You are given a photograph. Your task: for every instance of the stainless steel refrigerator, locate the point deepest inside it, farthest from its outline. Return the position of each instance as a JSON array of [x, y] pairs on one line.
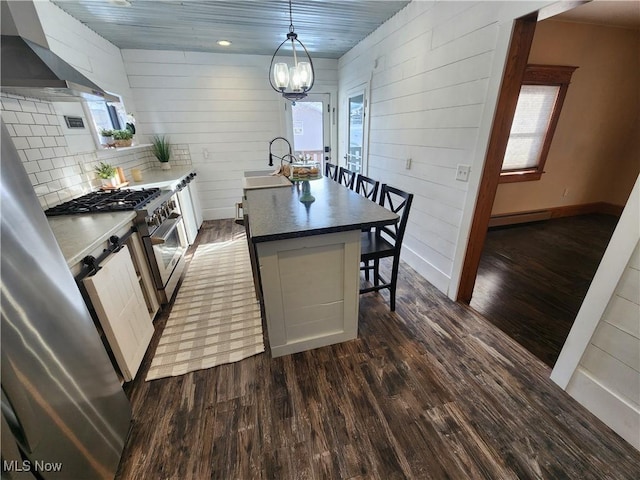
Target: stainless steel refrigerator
[[64, 413]]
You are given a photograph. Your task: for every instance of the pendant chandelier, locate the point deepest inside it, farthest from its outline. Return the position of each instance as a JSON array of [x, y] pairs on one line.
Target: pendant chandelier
[[293, 82]]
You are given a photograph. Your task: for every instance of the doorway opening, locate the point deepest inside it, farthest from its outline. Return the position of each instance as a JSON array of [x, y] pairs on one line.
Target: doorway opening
[[310, 129], [530, 278]]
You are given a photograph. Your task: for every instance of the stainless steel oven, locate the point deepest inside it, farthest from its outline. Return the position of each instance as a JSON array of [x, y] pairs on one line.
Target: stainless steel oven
[[165, 242], [158, 221]]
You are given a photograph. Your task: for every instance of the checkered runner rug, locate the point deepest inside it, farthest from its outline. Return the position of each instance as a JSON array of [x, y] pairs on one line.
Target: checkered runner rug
[[215, 318]]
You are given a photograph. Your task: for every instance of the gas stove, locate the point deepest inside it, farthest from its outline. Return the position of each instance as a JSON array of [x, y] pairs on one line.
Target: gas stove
[[106, 201], [157, 220]]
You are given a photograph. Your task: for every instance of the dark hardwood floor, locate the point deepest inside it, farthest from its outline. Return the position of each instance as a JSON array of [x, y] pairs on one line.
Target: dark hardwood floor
[[533, 278], [432, 391]]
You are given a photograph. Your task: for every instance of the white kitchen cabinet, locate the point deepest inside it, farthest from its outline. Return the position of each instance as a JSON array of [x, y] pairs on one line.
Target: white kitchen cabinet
[[195, 201], [190, 209], [120, 305], [310, 288]]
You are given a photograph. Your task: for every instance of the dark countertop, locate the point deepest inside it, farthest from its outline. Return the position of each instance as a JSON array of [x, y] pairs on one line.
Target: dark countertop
[[277, 213]]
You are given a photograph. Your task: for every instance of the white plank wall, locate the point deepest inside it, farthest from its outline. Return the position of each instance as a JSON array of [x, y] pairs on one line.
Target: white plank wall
[[607, 380], [613, 355], [221, 106], [96, 58], [429, 69]]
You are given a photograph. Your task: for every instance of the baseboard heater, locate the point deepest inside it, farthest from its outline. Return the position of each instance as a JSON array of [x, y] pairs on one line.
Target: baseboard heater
[[515, 218]]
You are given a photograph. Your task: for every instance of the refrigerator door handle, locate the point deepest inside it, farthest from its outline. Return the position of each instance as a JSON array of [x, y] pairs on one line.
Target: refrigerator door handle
[[17, 410]]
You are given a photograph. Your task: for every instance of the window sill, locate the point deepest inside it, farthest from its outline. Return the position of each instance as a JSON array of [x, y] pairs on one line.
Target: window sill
[[521, 176], [110, 152]]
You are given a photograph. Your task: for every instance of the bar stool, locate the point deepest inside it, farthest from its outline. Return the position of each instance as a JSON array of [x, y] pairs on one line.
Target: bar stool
[[385, 242], [331, 171], [367, 187], [346, 178]]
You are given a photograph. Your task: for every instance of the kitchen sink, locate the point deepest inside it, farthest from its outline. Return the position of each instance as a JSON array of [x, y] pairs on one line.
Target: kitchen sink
[[267, 181]]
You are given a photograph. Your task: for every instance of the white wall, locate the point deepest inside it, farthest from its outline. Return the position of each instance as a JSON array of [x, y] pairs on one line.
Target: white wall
[[221, 106], [93, 56], [435, 70], [599, 363], [594, 153]]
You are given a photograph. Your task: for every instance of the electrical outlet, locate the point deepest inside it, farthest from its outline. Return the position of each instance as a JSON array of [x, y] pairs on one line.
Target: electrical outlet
[[408, 164], [565, 192], [462, 174]]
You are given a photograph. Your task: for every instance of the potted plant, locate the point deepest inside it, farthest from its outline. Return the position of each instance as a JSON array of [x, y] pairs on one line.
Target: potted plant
[[122, 138], [161, 148], [106, 136], [107, 173]]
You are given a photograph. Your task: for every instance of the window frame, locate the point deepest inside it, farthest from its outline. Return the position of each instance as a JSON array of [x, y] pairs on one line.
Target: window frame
[[546, 75]]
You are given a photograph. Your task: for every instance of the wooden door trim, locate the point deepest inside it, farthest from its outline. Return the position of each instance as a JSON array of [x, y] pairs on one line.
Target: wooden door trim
[[517, 58]]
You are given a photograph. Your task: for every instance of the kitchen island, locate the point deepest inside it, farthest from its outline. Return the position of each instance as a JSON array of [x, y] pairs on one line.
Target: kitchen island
[[307, 257]]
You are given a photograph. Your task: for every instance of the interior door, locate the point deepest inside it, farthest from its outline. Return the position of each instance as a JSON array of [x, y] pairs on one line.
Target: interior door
[[310, 127], [357, 129]]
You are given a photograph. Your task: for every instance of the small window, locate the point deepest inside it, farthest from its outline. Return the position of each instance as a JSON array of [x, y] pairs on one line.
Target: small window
[[108, 115], [541, 96]]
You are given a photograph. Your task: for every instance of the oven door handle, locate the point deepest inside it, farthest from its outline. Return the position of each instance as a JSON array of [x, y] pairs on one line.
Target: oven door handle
[[164, 231]]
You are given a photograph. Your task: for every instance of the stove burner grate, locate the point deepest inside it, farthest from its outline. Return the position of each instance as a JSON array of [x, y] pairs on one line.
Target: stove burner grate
[[105, 201]]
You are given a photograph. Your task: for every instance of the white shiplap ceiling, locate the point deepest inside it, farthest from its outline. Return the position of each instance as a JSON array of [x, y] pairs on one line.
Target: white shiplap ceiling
[[328, 28]]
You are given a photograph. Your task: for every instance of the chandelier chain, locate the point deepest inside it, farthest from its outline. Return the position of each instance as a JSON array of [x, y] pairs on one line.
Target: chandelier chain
[[291, 29]]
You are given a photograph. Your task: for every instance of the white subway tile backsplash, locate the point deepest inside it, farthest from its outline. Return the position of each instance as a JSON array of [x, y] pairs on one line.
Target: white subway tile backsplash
[[40, 119], [27, 106], [43, 177], [21, 142], [45, 165], [38, 130], [25, 118], [9, 117], [31, 167], [50, 200], [42, 107], [33, 154], [22, 130], [11, 104], [47, 153], [60, 151], [41, 190], [56, 175], [35, 142]]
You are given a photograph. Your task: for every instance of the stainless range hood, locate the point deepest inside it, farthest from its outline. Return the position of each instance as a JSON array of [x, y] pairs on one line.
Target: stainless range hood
[[30, 69]]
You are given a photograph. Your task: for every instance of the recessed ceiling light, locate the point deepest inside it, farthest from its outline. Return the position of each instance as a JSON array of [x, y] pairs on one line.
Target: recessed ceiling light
[[223, 43]]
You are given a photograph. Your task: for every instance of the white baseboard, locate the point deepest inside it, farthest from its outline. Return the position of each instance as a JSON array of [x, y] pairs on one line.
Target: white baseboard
[[434, 276], [622, 417]]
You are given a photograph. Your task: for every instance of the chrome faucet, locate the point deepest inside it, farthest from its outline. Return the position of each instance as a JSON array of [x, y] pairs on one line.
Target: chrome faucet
[[281, 158]]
